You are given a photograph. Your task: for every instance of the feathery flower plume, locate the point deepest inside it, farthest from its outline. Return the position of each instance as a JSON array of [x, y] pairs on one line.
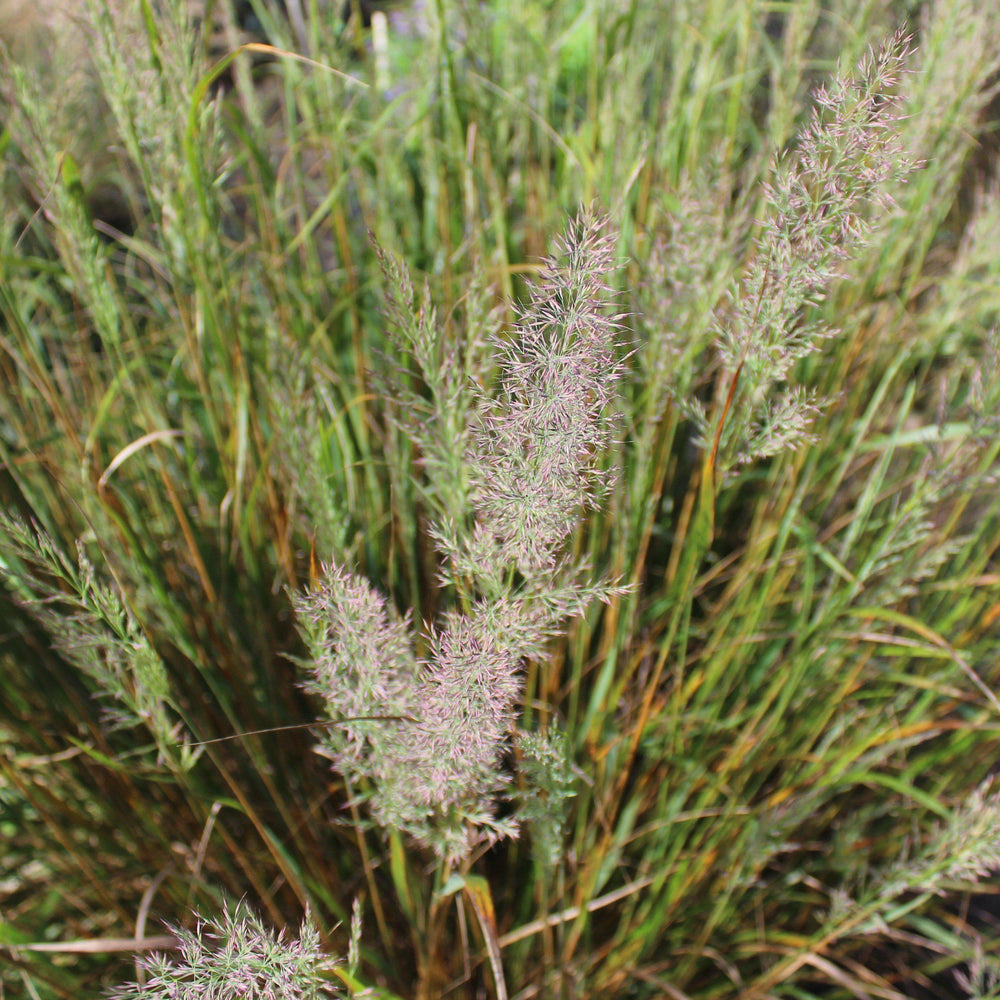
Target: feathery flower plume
[[237, 958], [536, 439], [818, 200], [429, 737]]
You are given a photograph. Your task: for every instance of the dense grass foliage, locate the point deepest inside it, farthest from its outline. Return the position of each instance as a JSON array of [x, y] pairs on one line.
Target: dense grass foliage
[[508, 509]]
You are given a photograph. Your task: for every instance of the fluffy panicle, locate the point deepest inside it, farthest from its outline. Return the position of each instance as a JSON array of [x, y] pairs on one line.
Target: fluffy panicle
[[434, 749], [237, 958], [818, 200], [967, 849], [362, 665], [93, 629], [536, 439], [963, 852]]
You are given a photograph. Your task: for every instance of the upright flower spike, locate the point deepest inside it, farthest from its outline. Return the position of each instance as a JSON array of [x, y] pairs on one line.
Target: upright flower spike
[[432, 736], [536, 439], [819, 203], [364, 668], [237, 958]]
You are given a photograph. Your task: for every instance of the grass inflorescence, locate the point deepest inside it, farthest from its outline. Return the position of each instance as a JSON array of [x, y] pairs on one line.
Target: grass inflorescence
[[502, 507]]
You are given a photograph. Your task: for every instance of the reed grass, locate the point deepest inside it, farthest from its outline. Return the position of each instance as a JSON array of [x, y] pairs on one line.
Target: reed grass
[[523, 527]]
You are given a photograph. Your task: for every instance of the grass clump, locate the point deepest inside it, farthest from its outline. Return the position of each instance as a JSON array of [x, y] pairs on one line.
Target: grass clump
[[639, 583]]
